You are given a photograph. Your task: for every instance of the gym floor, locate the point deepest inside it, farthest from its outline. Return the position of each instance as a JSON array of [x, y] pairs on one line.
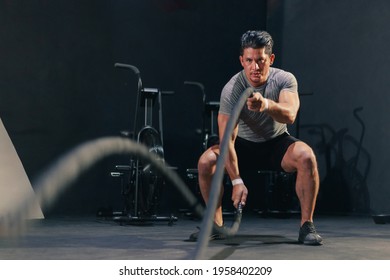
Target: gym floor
[[346, 237]]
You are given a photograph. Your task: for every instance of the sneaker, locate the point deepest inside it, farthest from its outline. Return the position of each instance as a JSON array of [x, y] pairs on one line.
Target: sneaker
[[308, 235], [216, 234]]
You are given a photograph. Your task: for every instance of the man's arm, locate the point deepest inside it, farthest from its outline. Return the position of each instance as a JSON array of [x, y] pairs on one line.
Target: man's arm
[[231, 159], [239, 192], [283, 111]]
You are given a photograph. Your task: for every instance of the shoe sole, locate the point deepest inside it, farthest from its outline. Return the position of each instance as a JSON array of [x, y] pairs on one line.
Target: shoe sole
[[311, 243], [212, 237]]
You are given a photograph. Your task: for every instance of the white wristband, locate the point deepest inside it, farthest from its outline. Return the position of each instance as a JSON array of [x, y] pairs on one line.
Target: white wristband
[[237, 181], [266, 104]]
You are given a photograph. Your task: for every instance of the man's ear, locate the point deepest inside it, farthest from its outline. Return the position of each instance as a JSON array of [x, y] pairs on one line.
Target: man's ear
[[272, 58], [241, 60]]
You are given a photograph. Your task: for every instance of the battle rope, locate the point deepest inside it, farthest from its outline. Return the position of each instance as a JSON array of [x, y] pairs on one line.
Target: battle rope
[[208, 219]]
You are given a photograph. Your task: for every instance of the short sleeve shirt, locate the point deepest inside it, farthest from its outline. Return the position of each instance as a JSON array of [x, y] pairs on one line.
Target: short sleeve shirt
[[257, 126]]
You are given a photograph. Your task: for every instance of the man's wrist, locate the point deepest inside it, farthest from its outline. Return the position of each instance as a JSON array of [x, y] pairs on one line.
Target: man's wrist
[[237, 181], [266, 104]]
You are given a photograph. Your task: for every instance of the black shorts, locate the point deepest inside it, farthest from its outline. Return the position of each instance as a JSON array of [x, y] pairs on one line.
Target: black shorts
[[254, 156]]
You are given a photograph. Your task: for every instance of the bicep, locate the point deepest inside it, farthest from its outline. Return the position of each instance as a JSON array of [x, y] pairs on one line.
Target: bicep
[[289, 99]]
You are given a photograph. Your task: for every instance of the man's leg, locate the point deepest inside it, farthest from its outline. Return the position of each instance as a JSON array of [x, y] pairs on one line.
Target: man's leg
[[206, 169], [300, 158]]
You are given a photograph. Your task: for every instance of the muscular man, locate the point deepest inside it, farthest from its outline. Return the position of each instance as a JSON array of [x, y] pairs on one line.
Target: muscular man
[[260, 140]]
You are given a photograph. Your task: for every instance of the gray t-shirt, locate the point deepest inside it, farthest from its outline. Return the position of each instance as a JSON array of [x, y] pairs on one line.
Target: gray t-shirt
[[256, 126]]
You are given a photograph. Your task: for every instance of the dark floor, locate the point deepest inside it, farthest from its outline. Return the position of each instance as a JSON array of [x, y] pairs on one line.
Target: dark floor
[[263, 238]]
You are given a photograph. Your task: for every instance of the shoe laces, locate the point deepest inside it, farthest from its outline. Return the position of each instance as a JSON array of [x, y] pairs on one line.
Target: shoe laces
[[309, 227]]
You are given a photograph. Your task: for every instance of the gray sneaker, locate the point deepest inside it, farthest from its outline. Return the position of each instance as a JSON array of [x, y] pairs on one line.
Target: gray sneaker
[[308, 235]]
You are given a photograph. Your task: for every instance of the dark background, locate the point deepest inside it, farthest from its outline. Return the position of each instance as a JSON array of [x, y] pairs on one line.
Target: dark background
[[59, 87]]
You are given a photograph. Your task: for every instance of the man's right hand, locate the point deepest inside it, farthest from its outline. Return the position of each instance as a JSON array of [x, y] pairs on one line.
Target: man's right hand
[[239, 194]]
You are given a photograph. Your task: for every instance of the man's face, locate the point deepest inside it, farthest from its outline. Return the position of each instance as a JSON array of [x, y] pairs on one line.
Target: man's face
[[256, 65]]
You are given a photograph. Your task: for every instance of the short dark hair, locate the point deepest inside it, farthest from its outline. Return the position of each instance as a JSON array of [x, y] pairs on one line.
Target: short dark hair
[[256, 39]]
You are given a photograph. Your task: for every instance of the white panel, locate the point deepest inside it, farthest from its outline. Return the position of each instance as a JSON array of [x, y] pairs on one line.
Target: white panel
[[14, 183]]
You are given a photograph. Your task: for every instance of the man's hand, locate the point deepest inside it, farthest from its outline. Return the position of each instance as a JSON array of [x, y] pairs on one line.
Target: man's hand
[[239, 194], [257, 103]]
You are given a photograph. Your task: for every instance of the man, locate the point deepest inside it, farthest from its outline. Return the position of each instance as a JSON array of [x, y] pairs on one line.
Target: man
[[260, 140]]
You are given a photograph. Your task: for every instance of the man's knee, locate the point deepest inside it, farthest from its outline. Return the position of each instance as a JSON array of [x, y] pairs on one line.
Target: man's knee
[[206, 162], [306, 158]]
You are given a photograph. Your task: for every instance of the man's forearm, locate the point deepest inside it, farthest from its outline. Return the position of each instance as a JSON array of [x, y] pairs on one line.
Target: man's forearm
[[232, 164]]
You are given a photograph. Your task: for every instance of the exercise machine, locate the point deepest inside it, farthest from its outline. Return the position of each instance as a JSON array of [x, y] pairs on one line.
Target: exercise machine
[[143, 188]]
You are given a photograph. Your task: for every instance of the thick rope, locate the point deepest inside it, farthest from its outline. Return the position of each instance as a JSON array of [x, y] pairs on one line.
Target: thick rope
[[208, 219]]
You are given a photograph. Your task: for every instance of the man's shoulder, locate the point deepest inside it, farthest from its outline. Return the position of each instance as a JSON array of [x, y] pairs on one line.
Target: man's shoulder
[[277, 73], [282, 78], [236, 78]]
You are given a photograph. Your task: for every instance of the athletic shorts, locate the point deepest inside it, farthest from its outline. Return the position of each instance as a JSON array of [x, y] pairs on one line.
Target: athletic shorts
[[268, 155]]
